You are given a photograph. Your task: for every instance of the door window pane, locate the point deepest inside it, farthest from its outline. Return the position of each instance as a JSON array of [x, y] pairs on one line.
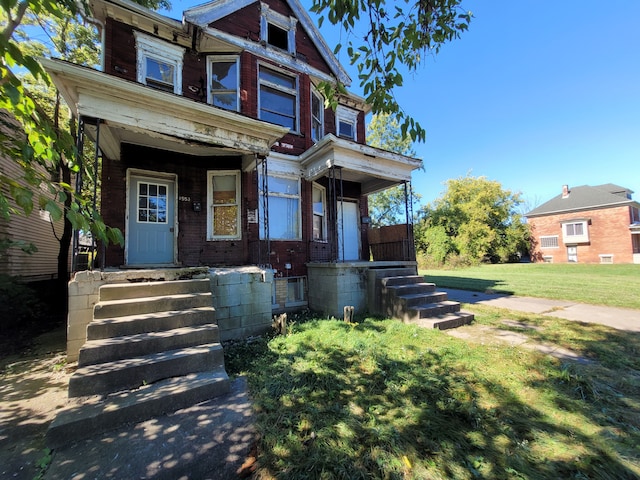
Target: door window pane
[[152, 203]]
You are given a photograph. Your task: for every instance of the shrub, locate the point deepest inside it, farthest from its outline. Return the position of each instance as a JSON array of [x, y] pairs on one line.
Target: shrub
[[19, 304]]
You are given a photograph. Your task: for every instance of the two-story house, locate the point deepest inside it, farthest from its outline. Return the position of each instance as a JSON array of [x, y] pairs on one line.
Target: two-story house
[[587, 224], [218, 150]]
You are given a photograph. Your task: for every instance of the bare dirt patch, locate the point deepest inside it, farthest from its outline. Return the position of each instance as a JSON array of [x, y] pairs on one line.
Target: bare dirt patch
[[33, 387]]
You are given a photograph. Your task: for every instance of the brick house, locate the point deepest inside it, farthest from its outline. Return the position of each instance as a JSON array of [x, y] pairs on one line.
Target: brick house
[[587, 224], [218, 151]]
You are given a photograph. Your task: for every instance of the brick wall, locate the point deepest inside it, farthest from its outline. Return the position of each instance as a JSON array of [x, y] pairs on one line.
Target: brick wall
[[609, 234]]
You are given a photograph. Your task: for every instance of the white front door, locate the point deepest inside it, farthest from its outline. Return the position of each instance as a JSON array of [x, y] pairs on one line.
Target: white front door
[[151, 222], [348, 231]]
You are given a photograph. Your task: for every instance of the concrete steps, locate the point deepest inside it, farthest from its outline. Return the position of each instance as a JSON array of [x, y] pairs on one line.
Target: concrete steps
[[410, 299], [153, 347]]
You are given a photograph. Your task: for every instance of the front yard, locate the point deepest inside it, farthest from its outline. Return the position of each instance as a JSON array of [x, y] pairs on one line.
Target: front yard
[[381, 399]]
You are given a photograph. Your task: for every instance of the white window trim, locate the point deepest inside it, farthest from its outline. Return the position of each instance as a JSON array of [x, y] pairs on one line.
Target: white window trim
[[288, 24], [606, 255], [347, 115], [324, 214], [583, 238], [210, 205], [557, 244], [316, 94], [211, 59], [151, 47], [292, 91], [297, 196]]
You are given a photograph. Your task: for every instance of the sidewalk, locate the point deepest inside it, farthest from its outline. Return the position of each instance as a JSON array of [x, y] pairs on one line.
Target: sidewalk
[[619, 318]]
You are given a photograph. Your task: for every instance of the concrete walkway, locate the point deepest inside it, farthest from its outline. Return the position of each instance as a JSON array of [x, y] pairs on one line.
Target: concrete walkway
[[619, 318]]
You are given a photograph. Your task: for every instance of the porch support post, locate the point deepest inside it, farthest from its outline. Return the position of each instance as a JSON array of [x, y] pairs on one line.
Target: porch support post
[[264, 186], [75, 244], [97, 153]]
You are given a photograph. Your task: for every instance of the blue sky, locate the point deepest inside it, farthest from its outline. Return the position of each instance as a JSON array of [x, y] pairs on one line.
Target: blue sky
[[535, 95]]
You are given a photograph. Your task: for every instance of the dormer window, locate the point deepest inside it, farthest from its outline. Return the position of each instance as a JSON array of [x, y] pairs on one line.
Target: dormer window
[[224, 89], [159, 63], [277, 30], [346, 122]]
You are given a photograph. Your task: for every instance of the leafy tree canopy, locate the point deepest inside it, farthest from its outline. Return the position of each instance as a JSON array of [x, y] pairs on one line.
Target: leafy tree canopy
[[480, 219], [385, 39], [389, 206]]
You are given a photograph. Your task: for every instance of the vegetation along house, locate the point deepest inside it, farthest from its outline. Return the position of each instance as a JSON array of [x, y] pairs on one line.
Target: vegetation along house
[[586, 224]]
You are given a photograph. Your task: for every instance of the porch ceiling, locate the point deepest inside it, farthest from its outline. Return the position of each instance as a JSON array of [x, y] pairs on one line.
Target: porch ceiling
[[138, 114], [373, 168]]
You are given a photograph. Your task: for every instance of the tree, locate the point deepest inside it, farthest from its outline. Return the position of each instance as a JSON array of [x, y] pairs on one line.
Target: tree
[[393, 39], [389, 206], [46, 153], [479, 217]]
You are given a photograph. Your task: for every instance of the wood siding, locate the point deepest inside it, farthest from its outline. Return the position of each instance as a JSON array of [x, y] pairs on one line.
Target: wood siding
[[37, 228]]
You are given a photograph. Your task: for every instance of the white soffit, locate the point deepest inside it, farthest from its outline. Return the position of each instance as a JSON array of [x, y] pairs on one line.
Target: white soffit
[[129, 104]]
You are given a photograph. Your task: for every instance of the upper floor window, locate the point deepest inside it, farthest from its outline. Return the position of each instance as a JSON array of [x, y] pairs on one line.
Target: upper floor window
[[278, 101], [346, 122], [223, 193], [224, 86], [159, 63], [277, 30], [575, 232], [635, 215], [317, 116]]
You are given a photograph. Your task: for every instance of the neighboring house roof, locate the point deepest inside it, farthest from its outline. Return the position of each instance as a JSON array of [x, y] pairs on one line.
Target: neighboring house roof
[[585, 197]]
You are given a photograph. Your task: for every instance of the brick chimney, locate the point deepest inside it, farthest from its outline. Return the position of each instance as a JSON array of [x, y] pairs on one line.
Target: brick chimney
[[565, 191]]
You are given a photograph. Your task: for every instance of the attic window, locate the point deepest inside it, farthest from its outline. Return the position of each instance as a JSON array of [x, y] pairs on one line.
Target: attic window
[[346, 121], [159, 63], [277, 30]]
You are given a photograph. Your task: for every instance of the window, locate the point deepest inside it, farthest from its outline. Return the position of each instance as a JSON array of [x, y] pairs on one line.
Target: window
[[159, 63], [635, 215], [224, 89], [346, 121], [319, 209], [223, 192], [575, 232], [550, 241], [606, 258], [278, 98], [284, 208], [277, 30], [152, 202], [317, 116]]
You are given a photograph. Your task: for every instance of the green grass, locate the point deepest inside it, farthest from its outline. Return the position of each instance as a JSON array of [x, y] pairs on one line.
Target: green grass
[[382, 399], [613, 285]]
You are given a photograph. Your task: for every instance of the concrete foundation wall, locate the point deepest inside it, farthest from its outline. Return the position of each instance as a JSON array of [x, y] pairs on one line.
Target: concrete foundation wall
[[242, 299], [332, 286]]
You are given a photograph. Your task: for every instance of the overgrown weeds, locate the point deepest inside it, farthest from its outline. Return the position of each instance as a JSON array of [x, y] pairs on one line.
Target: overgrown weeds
[[382, 399]]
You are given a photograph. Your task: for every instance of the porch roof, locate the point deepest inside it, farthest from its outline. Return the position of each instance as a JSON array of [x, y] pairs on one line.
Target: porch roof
[[135, 113], [375, 169]]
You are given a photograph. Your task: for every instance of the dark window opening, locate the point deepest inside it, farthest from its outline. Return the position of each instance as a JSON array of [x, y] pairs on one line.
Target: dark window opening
[[277, 37]]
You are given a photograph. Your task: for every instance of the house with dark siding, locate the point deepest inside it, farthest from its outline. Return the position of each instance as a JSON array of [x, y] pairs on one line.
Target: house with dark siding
[[587, 224]]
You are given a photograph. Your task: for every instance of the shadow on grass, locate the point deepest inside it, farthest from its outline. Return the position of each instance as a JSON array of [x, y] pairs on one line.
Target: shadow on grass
[[351, 410], [471, 284]]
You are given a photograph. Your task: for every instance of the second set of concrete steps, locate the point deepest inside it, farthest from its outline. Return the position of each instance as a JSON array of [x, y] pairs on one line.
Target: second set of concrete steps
[[152, 348], [413, 300]]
